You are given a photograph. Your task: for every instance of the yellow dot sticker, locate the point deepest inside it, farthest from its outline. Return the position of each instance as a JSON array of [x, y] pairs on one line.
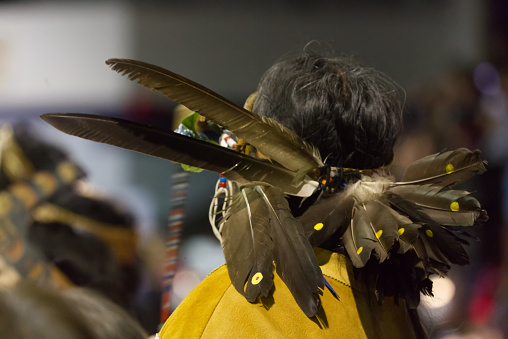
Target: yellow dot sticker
[[256, 279], [359, 250], [379, 233], [401, 231], [429, 233], [449, 168], [454, 206], [318, 226]]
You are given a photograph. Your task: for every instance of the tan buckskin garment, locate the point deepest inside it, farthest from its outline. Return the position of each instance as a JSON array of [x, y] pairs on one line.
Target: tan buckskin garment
[[214, 309]]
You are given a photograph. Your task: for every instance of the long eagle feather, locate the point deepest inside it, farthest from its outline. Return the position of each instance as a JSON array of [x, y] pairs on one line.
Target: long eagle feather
[[178, 148]]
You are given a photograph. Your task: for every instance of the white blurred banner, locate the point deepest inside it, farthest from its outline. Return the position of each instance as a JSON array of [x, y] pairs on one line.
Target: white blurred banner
[[53, 55]]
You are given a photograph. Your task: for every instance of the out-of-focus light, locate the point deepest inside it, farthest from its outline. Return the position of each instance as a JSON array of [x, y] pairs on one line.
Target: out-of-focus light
[[202, 255], [199, 255], [444, 291], [184, 282], [487, 79]]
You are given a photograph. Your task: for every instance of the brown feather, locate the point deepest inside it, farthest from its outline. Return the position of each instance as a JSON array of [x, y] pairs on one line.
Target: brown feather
[[175, 147], [374, 227], [445, 169], [444, 245], [359, 239], [247, 246], [444, 206], [441, 242], [330, 216]]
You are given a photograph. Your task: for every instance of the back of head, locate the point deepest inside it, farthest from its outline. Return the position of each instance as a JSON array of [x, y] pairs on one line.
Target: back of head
[[91, 240], [351, 113]]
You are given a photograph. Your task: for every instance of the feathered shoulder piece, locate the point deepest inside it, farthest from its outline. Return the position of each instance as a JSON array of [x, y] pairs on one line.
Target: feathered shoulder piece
[[402, 232], [382, 223]]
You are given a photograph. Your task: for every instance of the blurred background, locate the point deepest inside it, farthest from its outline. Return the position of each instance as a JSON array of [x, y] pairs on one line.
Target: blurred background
[[450, 56]]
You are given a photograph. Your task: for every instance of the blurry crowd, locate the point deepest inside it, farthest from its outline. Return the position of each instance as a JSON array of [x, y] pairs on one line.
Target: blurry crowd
[[70, 265]]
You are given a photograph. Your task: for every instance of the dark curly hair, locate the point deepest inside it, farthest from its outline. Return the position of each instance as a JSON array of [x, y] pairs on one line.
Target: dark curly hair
[[351, 113]]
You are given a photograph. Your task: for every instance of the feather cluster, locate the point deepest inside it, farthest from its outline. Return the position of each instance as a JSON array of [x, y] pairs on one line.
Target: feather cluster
[[411, 228]]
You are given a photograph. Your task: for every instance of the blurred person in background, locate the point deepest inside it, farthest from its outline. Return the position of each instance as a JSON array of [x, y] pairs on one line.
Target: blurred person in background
[[85, 238], [24, 188], [32, 310]]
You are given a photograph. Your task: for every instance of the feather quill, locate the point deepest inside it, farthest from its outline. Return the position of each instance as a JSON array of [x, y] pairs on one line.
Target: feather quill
[[294, 257], [175, 147], [269, 137], [247, 245]]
